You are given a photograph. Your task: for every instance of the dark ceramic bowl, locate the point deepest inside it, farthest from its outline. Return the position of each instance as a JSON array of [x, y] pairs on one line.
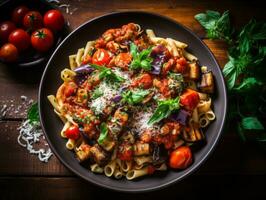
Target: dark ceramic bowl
[[31, 58], [163, 27]]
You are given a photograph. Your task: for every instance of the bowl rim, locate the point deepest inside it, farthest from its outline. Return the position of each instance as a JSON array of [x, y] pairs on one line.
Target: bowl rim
[[190, 171]]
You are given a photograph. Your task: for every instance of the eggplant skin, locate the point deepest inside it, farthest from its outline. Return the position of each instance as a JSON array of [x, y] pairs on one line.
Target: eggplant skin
[[207, 83], [194, 135]]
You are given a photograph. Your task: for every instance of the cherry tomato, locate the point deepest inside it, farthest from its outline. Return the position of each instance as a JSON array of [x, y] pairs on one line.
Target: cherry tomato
[[5, 29], [72, 132], [32, 20], [54, 20], [9, 53], [20, 39], [18, 14], [101, 57], [144, 81], [122, 60], [125, 152], [69, 90], [180, 158], [189, 99], [42, 39]]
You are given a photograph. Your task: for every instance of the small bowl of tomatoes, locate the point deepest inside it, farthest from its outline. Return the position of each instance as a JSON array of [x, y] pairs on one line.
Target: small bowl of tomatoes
[[29, 32]]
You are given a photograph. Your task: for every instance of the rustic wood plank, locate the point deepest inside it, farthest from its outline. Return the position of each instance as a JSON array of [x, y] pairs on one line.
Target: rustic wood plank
[[196, 187], [16, 160], [230, 157]]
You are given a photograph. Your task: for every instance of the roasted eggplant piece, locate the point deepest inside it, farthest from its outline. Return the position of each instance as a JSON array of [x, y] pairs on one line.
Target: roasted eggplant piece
[[193, 135], [99, 155], [141, 149], [207, 83], [83, 152], [194, 71], [159, 154]]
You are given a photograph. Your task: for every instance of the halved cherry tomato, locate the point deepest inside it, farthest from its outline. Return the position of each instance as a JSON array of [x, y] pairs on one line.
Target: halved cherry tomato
[[32, 20], [72, 132], [189, 99], [180, 158], [42, 39], [125, 152], [20, 39], [101, 57], [9, 53], [19, 13], [5, 29], [122, 60], [54, 20], [144, 81]]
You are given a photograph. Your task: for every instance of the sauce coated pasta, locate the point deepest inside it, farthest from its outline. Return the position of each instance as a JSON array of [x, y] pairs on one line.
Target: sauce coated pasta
[[133, 103]]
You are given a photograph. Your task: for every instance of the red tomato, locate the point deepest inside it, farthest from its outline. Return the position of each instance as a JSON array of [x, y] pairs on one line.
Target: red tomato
[[125, 152], [180, 158], [9, 53], [101, 57], [42, 39], [5, 29], [69, 90], [32, 20], [72, 132], [54, 20], [20, 39], [189, 99], [181, 65], [144, 81], [18, 14], [122, 60]]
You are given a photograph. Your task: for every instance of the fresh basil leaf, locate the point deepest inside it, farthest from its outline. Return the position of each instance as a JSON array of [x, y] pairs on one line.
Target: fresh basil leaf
[[248, 84], [107, 73], [216, 26], [140, 59], [230, 73], [103, 133], [164, 109], [33, 113], [134, 97], [251, 123]]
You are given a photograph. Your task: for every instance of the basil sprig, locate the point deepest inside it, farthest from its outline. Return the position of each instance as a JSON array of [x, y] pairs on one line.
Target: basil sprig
[[141, 60]]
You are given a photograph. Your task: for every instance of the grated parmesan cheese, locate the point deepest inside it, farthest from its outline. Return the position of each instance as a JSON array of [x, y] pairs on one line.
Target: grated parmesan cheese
[[108, 92], [30, 134]]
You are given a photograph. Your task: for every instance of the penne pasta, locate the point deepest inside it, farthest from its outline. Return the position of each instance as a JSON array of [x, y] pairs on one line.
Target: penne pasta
[[70, 144], [79, 56], [109, 169], [88, 49], [118, 174], [67, 75], [96, 168], [150, 33], [141, 160], [66, 126], [210, 115], [204, 106], [136, 173], [72, 62], [203, 121], [189, 56], [126, 166]]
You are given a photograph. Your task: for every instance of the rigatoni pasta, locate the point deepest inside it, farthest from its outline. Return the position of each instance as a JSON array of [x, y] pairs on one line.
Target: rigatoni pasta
[[130, 99]]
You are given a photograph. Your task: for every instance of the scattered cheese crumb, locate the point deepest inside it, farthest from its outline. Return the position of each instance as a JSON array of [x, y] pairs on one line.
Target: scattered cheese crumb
[[29, 134]]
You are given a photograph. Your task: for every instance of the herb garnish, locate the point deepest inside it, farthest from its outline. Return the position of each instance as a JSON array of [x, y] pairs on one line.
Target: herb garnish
[[103, 133], [96, 93], [107, 73], [244, 72], [33, 113], [164, 109], [140, 59], [134, 97]]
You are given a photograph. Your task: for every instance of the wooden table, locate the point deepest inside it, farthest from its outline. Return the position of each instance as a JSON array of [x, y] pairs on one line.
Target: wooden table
[[234, 169]]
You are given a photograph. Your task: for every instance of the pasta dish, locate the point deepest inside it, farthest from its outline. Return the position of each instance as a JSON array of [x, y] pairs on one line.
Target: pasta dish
[[133, 103]]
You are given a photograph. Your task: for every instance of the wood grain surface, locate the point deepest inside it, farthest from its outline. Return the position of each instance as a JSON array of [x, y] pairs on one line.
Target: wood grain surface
[[234, 168]]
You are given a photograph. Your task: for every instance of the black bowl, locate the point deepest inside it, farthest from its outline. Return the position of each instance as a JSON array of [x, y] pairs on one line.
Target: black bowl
[[163, 27], [31, 58]]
